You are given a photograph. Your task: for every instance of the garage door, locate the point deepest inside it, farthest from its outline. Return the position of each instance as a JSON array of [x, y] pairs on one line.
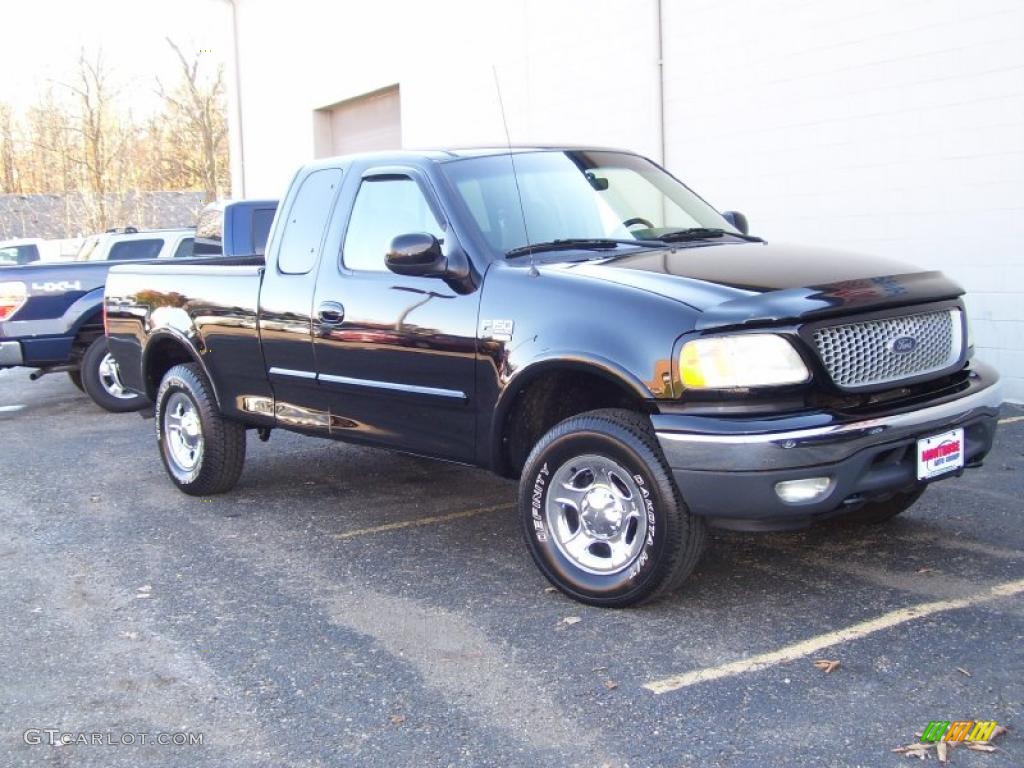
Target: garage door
[[363, 124]]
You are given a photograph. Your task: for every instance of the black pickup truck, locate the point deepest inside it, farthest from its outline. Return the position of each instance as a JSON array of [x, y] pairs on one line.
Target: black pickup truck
[[581, 320], [51, 314]]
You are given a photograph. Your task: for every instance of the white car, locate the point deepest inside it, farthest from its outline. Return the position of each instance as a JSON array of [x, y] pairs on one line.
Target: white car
[[134, 245], [26, 250]]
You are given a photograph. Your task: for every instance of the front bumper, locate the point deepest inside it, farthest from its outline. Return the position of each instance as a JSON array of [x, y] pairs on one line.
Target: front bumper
[[726, 469], [10, 353]]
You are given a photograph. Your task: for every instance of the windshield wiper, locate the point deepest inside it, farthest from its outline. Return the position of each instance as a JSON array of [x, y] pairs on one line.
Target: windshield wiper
[[582, 243], [702, 233]]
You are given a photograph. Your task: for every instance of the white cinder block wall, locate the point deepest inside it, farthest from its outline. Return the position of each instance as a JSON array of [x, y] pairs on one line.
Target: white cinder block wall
[[895, 128], [890, 127]]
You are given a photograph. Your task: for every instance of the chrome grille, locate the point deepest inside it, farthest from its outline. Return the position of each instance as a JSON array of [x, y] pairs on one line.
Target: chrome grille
[[869, 353]]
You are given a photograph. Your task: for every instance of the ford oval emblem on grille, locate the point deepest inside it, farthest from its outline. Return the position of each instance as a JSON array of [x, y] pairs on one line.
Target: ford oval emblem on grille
[[903, 344]]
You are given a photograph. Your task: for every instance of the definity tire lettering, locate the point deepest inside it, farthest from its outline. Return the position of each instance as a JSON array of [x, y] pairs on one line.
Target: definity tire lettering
[[538, 497]]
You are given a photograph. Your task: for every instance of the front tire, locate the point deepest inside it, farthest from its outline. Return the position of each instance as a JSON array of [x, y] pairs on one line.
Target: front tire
[[101, 379], [601, 514], [202, 451]]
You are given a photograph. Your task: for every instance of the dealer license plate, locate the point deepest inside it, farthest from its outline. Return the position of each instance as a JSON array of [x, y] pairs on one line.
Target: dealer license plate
[[940, 454]]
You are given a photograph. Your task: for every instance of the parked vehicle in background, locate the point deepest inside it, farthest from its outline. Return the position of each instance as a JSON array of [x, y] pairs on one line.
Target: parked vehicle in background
[[27, 250], [51, 315], [131, 244], [578, 319]]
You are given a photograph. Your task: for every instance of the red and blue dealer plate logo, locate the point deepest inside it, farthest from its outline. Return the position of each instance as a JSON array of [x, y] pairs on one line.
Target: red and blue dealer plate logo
[[940, 454]]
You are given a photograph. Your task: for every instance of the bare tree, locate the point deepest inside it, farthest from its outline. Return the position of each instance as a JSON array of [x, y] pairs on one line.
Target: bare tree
[[78, 141], [196, 110], [8, 172], [99, 141]]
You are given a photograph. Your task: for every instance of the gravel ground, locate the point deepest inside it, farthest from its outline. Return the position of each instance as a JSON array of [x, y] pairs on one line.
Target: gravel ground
[[286, 627]]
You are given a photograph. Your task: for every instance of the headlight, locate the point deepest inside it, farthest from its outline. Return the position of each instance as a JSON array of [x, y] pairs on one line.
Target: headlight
[[748, 360]]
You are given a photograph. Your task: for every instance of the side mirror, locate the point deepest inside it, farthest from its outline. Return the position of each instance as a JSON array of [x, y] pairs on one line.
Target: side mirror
[[738, 220], [418, 254]]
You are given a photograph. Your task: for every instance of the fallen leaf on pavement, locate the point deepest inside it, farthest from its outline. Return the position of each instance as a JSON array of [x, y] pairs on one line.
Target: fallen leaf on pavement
[[963, 671], [917, 750], [826, 665], [611, 685], [397, 719]]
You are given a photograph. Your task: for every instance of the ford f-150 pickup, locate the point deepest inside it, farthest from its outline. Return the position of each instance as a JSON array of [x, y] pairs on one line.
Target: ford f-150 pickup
[[581, 320], [51, 314]]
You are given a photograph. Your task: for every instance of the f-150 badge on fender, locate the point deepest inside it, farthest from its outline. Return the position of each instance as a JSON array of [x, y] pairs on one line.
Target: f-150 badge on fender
[[498, 330]]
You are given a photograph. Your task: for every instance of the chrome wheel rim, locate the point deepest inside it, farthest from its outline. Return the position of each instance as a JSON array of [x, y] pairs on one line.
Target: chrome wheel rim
[[594, 511], [183, 432], [110, 378]]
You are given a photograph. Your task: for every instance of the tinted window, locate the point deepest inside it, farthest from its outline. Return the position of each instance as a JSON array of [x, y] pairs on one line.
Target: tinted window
[[184, 249], [19, 254], [262, 218], [130, 250], [307, 219], [200, 248], [384, 208]]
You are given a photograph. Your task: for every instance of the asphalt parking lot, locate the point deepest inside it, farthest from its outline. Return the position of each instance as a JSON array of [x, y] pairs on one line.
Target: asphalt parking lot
[[351, 607]]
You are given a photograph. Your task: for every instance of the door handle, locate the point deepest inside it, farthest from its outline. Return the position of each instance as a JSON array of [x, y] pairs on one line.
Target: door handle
[[330, 313]]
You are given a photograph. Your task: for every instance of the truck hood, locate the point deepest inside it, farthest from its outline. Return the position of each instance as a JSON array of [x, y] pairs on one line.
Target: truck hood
[[744, 283]]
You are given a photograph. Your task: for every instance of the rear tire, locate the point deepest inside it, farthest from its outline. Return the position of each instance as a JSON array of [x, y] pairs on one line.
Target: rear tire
[[101, 380], [202, 451], [878, 512], [601, 513]]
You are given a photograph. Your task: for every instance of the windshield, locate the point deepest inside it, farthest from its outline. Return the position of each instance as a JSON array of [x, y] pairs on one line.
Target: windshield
[[575, 194]]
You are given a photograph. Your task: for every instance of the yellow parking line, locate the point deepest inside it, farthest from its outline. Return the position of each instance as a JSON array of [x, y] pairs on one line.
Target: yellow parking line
[[1011, 420], [421, 521], [815, 644]]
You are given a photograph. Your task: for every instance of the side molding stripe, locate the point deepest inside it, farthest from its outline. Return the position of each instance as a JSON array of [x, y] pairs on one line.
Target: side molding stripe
[[415, 389], [411, 388]]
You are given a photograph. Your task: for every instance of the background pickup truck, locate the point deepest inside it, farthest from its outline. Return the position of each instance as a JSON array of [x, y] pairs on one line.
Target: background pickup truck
[[578, 319], [51, 314]]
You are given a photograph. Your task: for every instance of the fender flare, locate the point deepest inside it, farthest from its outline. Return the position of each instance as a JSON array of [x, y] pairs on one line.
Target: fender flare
[[185, 343], [554, 361], [83, 309]]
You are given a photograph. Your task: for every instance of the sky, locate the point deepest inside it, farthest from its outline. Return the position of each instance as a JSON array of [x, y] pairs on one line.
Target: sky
[[43, 38]]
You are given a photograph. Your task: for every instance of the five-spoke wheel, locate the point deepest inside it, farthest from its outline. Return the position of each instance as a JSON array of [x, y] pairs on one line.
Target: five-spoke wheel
[[601, 514]]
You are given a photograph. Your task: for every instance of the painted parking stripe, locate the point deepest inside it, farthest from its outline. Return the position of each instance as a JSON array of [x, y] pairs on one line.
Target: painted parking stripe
[[421, 521], [10, 408], [815, 644], [1011, 420]]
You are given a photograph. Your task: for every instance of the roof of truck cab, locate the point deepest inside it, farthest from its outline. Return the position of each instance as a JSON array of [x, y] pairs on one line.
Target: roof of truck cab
[[457, 153]]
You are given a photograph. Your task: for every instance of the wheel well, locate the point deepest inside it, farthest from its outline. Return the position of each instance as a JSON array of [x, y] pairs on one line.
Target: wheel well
[[87, 333], [160, 358], [552, 397]]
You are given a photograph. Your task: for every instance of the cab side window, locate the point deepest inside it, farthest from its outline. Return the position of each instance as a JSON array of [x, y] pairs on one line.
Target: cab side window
[[307, 219], [184, 249], [385, 206]]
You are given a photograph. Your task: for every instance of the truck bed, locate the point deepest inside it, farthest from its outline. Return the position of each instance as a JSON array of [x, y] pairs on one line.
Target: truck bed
[[222, 325]]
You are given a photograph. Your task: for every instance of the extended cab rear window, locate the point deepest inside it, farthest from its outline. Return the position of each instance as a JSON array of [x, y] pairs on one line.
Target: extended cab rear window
[[307, 220]]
